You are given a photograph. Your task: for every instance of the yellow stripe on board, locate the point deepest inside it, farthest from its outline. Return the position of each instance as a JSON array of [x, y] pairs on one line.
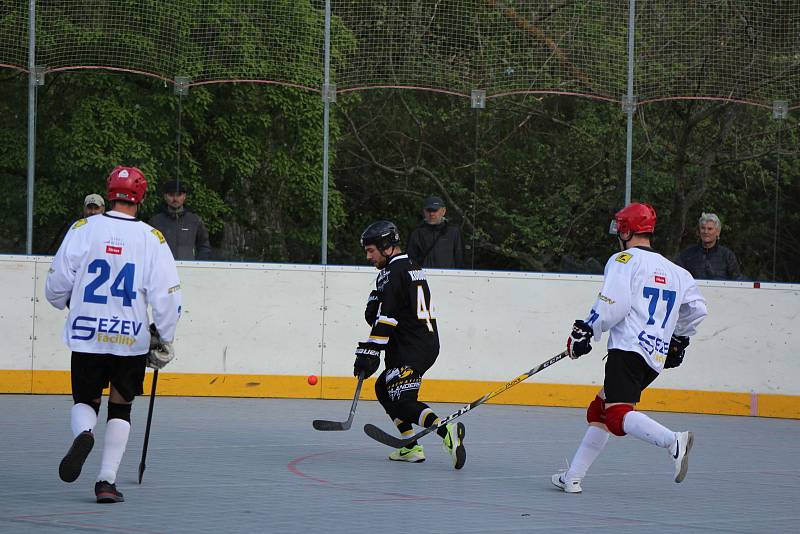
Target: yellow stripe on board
[[16, 381], [457, 391]]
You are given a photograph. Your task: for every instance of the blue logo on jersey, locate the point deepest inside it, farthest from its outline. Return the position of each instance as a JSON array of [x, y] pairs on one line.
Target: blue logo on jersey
[[651, 344], [113, 330]]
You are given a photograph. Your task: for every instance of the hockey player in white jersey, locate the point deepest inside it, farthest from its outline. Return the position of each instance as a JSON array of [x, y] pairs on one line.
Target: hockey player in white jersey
[[107, 271], [650, 307]]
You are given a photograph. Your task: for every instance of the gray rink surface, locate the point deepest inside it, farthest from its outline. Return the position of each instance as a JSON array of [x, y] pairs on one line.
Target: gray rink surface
[[256, 465]]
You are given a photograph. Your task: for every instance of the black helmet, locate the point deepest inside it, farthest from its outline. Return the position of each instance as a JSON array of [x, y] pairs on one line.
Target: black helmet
[[382, 234]]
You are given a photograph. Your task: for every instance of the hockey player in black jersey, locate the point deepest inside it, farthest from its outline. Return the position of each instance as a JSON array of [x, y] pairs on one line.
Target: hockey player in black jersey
[[404, 325]]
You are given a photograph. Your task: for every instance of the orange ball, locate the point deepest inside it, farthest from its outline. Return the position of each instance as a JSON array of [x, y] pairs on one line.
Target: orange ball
[[312, 380]]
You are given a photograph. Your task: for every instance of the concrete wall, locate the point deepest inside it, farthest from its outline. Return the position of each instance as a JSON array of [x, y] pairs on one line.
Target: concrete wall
[[260, 329]]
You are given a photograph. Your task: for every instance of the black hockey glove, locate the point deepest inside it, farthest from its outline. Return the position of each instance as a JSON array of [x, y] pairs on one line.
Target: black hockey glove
[[373, 305], [368, 359], [578, 342], [676, 352]]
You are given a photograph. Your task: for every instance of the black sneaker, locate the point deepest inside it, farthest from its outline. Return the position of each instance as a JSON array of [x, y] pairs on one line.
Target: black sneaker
[[70, 468], [107, 492]]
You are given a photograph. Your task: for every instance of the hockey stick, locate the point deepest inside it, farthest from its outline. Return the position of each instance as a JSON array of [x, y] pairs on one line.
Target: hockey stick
[[379, 435], [320, 424], [147, 428]]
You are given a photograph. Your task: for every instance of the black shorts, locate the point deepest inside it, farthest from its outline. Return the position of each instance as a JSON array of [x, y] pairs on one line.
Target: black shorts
[[92, 373], [396, 384], [627, 375]]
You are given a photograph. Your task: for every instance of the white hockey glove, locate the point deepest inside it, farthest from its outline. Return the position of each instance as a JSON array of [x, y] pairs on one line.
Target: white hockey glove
[[161, 352]]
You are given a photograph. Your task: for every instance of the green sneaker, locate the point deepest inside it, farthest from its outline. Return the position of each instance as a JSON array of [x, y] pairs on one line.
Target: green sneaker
[[454, 444], [414, 455]]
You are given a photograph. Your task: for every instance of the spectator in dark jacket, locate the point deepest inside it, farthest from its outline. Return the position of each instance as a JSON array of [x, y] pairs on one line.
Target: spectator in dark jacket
[[184, 231], [436, 243], [709, 260]]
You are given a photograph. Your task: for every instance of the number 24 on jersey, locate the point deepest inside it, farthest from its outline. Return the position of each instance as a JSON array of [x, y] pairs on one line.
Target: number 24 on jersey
[[121, 287]]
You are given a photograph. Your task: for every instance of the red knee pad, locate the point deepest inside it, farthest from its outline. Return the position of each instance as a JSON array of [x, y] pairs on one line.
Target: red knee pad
[[596, 413], [614, 417]]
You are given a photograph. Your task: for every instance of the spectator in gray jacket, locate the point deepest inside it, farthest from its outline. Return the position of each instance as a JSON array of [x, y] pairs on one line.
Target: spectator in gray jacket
[[184, 231], [436, 243], [709, 260]]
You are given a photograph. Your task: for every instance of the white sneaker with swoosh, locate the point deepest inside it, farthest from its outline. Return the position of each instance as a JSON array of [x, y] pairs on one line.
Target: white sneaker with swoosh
[[681, 455], [568, 485]]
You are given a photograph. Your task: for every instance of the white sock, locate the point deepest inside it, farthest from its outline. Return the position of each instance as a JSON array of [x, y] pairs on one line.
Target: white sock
[[639, 425], [82, 417], [117, 431], [590, 448]]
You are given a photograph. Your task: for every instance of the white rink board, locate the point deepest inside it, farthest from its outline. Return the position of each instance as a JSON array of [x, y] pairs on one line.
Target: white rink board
[[299, 319], [17, 282]]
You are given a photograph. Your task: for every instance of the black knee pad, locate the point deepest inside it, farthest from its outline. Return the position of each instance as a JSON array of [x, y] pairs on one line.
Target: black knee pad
[[119, 411], [93, 403]]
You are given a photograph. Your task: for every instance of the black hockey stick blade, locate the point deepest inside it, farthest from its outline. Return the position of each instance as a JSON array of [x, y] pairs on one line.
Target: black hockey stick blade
[[392, 441], [142, 465], [320, 424], [382, 437]]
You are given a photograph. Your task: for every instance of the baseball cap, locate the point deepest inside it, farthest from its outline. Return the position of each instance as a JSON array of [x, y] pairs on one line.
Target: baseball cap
[[175, 186], [433, 203], [95, 199]]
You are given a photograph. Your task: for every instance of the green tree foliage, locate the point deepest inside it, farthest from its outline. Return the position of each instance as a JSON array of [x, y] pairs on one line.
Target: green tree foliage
[[534, 182], [251, 154], [533, 179]]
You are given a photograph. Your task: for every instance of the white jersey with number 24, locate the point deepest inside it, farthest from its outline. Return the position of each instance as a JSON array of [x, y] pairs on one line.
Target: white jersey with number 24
[[646, 299], [108, 269]]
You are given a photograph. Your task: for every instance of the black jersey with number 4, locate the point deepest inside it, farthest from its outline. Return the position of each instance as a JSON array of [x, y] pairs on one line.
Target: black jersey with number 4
[[406, 324]]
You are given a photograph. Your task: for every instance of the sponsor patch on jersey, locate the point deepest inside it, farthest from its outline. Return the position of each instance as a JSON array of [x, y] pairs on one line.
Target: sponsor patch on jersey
[[660, 279], [79, 223], [159, 235], [173, 289], [111, 249], [605, 299], [624, 257]]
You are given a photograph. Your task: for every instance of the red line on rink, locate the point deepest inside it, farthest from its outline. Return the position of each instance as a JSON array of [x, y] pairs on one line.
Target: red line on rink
[[293, 466], [39, 516], [386, 495]]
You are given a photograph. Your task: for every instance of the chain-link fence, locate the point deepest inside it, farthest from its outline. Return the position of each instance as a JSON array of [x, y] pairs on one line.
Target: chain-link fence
[[725, 51]]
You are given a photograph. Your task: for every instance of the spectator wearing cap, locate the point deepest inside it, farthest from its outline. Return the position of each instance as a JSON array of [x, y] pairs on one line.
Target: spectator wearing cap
[[184, 231], [436, 243], [93, 205], [709, 260]]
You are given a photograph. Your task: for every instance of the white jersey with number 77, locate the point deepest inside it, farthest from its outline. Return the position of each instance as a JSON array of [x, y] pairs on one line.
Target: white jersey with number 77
[[645, 299], [108, 269]]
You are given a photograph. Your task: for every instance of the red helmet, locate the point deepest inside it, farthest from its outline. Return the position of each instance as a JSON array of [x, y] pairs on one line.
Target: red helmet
[[636, 218], [126, 183]]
